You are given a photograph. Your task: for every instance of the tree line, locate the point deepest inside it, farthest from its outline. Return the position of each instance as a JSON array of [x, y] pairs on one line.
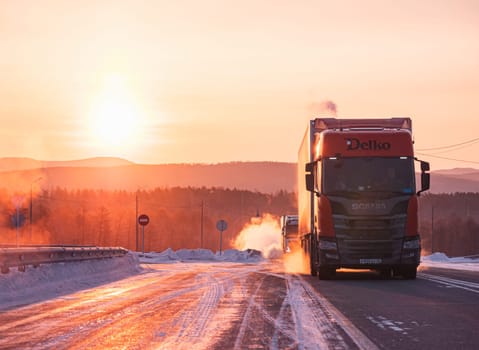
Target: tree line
[[449, 223], [179, 217], [185, 217]]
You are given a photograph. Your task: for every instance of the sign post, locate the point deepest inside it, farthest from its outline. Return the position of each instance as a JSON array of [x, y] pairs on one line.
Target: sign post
[[18, 222], [18, 218], [221, 226], [143, 220]]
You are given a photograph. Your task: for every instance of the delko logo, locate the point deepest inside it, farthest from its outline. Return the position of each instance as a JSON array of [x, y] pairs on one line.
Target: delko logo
[[369, 145]]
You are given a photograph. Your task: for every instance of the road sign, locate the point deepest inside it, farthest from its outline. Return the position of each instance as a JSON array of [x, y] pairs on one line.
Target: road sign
[[143, 219], [18, 219], [221, 225]]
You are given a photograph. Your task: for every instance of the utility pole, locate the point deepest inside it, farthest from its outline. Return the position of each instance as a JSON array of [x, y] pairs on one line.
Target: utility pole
[[432, 228], [31, 205], [201, 229], [467, 208], [136, 219]]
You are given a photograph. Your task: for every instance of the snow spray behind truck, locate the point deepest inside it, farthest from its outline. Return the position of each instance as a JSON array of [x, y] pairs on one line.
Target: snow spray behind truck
[[357, 199]]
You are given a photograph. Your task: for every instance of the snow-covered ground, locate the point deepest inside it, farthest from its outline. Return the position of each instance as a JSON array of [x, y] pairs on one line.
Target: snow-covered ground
[[205, 255], [51, 280], [457, 263]]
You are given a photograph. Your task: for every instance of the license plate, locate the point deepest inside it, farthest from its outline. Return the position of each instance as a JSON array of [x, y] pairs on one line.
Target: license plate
[[370, 261]]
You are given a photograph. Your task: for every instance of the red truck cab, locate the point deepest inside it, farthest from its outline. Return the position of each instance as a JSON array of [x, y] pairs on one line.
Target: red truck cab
[[360, 189]]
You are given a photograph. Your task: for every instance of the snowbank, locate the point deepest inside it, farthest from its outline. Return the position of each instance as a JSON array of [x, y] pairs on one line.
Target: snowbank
[[50, 281], [458, 263], [185, 255]]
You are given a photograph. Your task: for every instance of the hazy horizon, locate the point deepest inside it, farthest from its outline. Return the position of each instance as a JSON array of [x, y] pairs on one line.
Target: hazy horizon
[[125, 161], [213, 82]]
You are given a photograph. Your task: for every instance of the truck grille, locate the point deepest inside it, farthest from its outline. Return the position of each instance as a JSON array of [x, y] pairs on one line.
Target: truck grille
[[369, 238], [378, 228], [369, 249]]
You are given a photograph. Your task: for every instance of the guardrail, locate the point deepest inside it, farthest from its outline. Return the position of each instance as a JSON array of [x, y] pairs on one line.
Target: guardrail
[[22, 257]]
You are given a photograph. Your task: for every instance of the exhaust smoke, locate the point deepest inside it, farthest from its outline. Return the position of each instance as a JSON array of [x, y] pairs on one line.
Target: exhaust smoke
[[326, 107]]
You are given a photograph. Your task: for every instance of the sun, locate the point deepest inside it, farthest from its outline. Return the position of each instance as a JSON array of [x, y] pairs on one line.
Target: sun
[[114, 115]]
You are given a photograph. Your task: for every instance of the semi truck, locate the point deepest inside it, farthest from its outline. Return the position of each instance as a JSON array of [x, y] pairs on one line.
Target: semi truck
[[357, 196], [289, 232]]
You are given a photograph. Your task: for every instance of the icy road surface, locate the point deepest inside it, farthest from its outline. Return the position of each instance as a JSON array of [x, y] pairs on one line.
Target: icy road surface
[[192, 305]]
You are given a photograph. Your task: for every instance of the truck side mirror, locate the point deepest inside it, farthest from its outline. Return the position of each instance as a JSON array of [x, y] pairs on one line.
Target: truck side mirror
[[425, 177], [424, 166], [425, 181], [310, 182], [309, 167]]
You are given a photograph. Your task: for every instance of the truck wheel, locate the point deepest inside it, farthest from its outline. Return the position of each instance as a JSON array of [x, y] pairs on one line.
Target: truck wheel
[[312, 265], [409, 273], [396, 271], [326, 273], [386, 273]]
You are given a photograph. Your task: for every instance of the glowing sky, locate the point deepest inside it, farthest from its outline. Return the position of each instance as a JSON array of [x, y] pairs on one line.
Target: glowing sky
[[214, 81]]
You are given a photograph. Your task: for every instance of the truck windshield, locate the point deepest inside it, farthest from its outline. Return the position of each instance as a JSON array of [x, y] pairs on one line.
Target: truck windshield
[[371, 174]]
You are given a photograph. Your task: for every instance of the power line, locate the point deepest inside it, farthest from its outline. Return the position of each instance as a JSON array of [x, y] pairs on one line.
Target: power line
[[455, 148], [447, 158], [465, 144]]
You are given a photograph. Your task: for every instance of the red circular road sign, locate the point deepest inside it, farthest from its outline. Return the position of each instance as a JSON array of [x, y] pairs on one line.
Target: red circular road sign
[[221, 225], [143, 219]]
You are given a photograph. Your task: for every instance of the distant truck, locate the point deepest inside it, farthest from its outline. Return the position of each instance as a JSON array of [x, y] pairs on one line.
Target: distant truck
[[289, 232], [357, 199]]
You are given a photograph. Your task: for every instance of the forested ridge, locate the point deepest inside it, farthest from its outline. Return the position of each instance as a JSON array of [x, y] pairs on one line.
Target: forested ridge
[[179, 217], [449, 223], [185, 217]]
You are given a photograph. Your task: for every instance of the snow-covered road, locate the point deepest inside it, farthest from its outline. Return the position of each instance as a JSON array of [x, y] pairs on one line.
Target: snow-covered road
[[192, 305], [198, 300]]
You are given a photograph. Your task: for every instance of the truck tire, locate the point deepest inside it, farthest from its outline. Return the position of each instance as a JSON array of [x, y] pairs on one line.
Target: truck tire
[[326, 272], [312, 265], [386, 273], [409, 273]]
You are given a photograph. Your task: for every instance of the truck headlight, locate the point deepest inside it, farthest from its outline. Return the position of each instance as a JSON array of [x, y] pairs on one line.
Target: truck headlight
[[327, 245], [412, 244]]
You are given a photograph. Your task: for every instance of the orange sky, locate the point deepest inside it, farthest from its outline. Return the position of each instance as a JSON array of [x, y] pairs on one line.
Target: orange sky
[[215, 81]]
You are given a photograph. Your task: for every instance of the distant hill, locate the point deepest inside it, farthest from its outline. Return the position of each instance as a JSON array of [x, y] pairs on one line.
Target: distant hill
[[13, 164], [455, 182], [456, 171], [120, 174], [267, 177]]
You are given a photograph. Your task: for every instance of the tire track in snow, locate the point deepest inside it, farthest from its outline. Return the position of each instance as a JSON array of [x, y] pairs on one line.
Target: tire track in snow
[[195, 320], [284, 311], [313, 325], [284, 324], [245, 319], [319, 325], [199, 322], [100, 314]]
